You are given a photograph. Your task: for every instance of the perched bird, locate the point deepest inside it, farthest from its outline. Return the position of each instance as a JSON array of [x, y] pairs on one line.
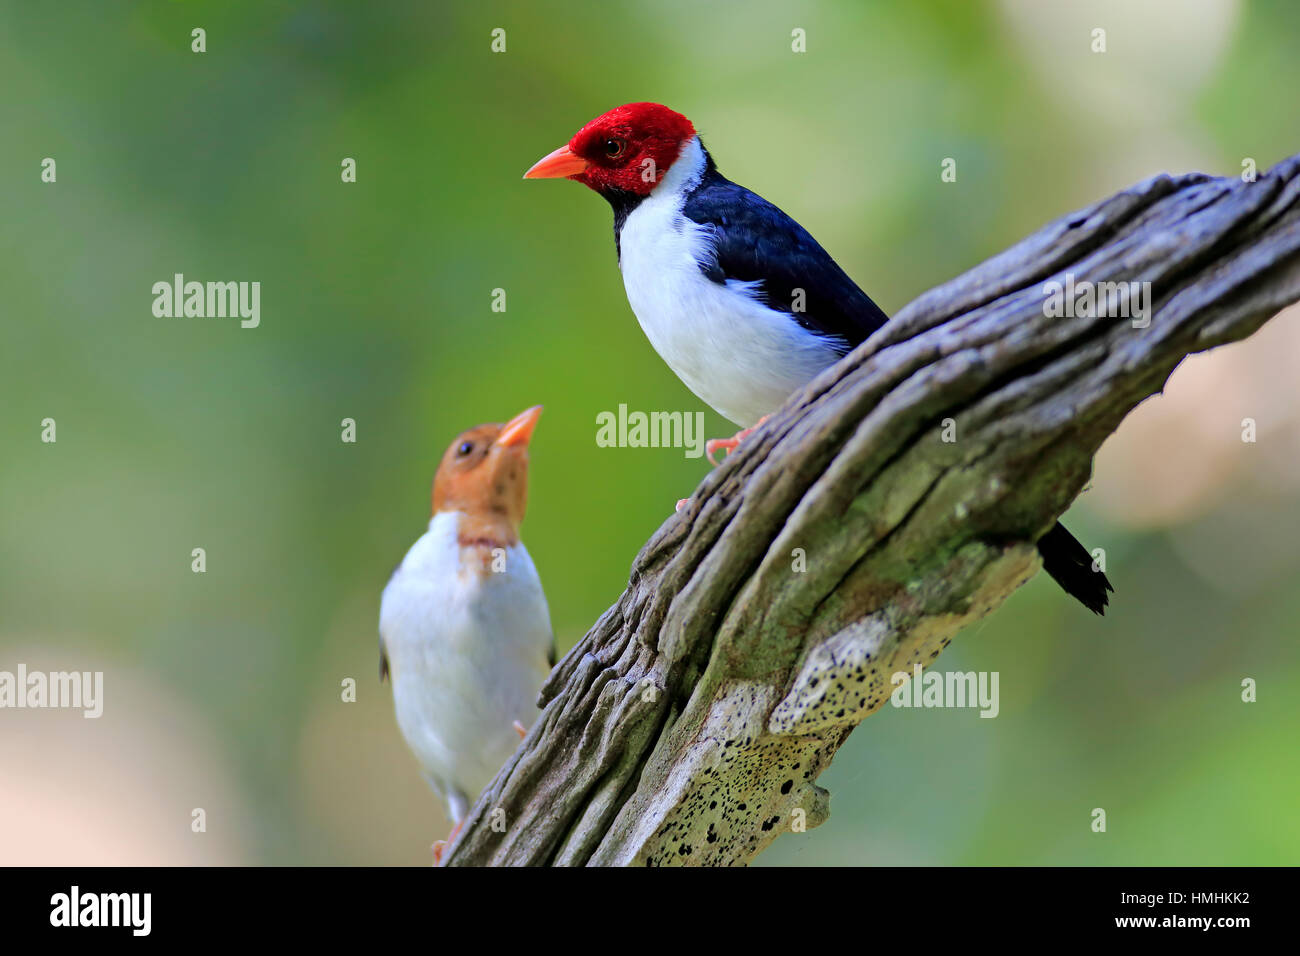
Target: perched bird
[[740, 301], [464, 631]]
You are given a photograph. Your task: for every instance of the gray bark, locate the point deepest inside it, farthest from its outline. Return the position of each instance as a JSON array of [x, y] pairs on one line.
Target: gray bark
[[690, 724]]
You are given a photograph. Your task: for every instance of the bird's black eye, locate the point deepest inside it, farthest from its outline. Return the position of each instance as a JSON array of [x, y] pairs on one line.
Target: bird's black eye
[[614, 147], [465, 448]]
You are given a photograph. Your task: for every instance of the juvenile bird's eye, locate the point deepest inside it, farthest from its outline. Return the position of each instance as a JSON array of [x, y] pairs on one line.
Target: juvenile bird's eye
[[614, 147], [465, 448]]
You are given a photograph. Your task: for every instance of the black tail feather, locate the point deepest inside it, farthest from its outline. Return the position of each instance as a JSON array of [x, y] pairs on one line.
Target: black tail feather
[[1070, 565]]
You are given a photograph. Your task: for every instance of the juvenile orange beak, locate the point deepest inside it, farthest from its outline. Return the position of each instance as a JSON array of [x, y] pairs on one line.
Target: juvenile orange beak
[[557, 165], [519, 429]]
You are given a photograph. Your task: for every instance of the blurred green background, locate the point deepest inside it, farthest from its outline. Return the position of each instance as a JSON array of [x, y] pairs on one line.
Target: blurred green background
[[223, 689]]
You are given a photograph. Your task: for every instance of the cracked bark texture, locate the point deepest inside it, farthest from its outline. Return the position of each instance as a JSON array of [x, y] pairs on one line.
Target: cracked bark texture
[[690, 724]]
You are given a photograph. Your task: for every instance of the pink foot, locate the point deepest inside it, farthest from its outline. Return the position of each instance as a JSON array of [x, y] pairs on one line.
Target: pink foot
[[440, 846], [520, 729], [729, 444]]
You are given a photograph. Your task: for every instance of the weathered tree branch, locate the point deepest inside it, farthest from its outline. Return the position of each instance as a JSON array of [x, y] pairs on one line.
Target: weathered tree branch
[[691, 723]]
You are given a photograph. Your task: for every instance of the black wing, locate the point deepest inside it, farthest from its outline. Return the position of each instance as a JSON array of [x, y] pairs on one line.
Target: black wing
[[754, 240]]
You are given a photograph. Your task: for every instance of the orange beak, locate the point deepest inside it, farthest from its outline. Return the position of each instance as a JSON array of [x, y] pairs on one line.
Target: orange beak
[[557, 165], [519, 429]]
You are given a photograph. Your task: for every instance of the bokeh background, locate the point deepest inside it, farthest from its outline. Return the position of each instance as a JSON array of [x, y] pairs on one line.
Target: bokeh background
[[223, 689]]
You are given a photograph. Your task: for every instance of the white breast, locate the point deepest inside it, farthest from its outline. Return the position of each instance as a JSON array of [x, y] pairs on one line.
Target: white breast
[[740, 357], [467, 654]]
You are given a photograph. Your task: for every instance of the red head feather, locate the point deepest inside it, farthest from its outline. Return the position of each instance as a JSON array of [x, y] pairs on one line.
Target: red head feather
[[630, 148]]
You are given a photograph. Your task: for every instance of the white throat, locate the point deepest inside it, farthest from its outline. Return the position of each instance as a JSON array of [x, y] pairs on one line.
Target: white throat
[[685, 172]]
